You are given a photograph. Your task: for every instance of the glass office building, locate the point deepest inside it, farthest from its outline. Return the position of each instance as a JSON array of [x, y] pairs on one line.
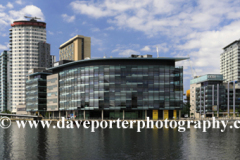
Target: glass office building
[[36, 100], [128, 87], [3, 80]]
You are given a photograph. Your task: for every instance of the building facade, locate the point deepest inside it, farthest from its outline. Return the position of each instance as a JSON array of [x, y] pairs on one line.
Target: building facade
[[210, 96], [36, 90], [28, 50], [77, 48], [3, 80], [52, 92], [44, 58], [229, 60], [130, 88], [9, 80]]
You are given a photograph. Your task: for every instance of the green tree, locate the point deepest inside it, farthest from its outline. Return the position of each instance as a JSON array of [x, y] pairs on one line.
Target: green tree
[[6, 111]]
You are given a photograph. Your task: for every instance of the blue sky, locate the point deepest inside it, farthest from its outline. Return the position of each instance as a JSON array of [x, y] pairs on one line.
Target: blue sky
[[199, 29]]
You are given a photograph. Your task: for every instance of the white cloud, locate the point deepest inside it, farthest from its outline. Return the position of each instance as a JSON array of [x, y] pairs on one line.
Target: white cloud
[[3, 47], [4, 35], [110, 28], [51, 33], [2, 7], [19, 2], [146, 49], [74, 33], [171, 17], [68, 18], [198, 28], [163, 47], [29, 10], [9, 5], [95, 29], [96, 41], [128, 52], [205, 48]]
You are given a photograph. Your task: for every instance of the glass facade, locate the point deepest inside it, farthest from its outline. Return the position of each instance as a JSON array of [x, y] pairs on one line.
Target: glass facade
[[210, 97], [121, 87], [237, 100], [52, 92], [36, 93], [3, 80]]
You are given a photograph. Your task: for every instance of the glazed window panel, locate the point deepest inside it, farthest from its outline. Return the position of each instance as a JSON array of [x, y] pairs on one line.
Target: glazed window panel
[[128, 86]]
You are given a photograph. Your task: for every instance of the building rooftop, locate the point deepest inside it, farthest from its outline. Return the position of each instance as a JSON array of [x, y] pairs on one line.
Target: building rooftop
[[38, 73], [28, 23], [111, 59], [207, 77], [71, 40], [231, 44]]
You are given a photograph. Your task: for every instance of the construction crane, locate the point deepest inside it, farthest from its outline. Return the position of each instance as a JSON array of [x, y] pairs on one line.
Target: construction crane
[[192, 69], [32, 18]]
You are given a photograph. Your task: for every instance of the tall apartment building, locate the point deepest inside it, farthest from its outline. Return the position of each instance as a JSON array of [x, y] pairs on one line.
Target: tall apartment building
[[230, 60], [3, 80], [77, 48], [27, 47], [44, 58]]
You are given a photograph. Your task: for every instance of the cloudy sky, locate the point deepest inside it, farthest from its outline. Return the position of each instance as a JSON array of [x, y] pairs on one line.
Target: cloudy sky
[[180, 28]]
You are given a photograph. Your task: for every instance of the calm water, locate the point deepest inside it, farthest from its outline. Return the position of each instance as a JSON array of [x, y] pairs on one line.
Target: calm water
[[118, 144]]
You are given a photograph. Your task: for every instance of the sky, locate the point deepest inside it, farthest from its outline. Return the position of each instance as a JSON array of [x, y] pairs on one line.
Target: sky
[[179, 28]]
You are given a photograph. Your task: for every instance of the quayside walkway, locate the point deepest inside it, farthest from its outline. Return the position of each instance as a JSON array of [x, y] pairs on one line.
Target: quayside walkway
[[15, 116]]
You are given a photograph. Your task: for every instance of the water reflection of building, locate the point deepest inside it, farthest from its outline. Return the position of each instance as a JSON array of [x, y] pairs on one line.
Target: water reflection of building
[[129, 88]]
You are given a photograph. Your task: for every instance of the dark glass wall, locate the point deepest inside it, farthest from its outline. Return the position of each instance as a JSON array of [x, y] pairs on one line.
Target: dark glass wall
[[116, 87], [209, 93], [36, 93]]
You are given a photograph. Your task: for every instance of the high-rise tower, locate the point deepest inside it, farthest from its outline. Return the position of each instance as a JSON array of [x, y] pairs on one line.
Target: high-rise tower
[[229, 63], [25, 36]]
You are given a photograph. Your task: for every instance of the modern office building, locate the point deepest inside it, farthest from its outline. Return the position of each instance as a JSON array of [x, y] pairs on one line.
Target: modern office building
[[77, 48], [28, 50], [210, 96], [3, 80], [130, 88], [36, 90], [229, 62]]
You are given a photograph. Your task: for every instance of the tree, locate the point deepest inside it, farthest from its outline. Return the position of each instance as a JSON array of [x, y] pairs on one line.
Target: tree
[[6, 111]]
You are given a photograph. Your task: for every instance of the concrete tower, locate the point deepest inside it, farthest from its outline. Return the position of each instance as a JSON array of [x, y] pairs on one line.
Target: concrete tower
[[25, 36]]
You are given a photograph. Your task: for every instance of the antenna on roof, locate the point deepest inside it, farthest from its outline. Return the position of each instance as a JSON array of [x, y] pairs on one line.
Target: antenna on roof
[[157, 51], [32, 18]]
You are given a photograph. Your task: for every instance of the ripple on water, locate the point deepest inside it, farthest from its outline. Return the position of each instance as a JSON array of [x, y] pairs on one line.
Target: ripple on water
[[118, 144]]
